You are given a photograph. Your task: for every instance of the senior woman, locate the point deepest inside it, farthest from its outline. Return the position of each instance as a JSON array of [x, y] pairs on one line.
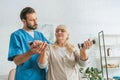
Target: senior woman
[[62, 57]]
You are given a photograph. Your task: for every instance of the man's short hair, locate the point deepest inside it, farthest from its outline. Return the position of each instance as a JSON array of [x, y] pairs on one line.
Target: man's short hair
[[26, 11]]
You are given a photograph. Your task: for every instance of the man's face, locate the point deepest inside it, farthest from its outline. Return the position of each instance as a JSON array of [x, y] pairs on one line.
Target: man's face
[[31, 21]]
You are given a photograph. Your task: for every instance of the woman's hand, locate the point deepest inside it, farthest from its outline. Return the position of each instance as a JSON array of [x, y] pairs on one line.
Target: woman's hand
[[86, 45]]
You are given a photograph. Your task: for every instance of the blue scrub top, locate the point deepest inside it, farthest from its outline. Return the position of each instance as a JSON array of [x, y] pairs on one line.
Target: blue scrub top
[[19, 44]]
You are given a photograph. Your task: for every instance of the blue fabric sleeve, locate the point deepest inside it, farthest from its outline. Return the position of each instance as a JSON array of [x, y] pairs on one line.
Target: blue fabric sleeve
[[46, 39], [14, 47]]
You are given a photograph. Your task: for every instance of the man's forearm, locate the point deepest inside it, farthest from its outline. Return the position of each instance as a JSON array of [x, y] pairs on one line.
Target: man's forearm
[[22, 58]]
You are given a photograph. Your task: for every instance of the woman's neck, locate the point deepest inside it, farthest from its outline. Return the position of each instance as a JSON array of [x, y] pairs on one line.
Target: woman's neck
[[61, 43]]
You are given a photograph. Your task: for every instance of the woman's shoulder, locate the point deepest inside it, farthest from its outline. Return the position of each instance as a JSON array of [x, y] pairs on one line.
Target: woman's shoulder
[[51, 46]]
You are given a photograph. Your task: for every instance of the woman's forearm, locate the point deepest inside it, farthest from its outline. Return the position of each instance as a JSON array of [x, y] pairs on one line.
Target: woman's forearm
[[83, 55], [43, 58]]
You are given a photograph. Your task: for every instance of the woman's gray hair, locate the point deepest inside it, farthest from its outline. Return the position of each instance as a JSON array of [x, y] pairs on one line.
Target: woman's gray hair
[[70, 47]]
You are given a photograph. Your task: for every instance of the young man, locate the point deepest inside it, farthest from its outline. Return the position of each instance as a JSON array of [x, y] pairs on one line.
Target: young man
[[22, 52]]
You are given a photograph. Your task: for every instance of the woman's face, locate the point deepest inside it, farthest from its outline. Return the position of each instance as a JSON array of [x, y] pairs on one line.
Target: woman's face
[[61, 35]]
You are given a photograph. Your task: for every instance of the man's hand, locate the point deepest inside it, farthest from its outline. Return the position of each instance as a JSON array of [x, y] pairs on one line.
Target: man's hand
[[38, 47]]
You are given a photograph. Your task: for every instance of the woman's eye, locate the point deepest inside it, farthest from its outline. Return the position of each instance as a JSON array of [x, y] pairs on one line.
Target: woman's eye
[[57, 31], [62, 30]]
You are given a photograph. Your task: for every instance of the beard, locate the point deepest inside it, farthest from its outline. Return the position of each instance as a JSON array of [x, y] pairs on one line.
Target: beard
[[32, 27]]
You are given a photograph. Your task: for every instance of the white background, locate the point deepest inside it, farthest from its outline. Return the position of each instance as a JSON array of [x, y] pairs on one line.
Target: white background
[[85, 18]]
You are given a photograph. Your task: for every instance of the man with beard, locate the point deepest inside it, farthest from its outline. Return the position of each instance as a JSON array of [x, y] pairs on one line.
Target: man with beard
[[22, 52]]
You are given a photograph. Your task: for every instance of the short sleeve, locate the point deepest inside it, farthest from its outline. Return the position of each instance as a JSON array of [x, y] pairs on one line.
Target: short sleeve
[[44, 39], [14, 47]]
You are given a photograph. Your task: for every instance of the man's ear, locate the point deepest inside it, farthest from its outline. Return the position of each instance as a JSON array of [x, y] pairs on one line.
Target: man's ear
[[24, 21]]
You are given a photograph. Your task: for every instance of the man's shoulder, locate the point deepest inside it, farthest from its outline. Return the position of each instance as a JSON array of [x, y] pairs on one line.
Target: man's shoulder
[[38, 32], [17, 32]]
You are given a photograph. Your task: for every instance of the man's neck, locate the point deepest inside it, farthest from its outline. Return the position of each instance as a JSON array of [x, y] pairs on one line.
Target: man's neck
[[26, 29]]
